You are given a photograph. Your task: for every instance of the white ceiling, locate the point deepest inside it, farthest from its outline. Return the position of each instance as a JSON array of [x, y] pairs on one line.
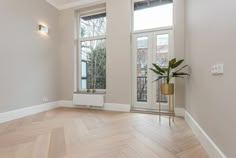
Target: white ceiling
[[65, 4]]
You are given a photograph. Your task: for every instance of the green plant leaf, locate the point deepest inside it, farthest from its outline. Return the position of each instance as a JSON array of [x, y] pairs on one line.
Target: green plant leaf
[[165, 69], [158, 68], [156, 71], [172, 62], [177, 63], [180, 74], [160, 77], [181, 68]]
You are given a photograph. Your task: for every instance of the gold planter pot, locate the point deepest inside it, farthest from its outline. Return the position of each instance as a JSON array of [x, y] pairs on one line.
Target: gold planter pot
[[167, 89]]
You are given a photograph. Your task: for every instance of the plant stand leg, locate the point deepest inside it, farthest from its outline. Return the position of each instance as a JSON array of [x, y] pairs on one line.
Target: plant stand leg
[[159, 111], [170, 110], [173, 108], [170, 121]]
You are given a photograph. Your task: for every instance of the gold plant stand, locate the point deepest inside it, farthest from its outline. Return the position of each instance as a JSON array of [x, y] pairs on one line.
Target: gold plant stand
[[167, 90]]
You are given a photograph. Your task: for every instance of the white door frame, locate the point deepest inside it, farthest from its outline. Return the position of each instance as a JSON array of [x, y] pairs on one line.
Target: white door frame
[[151, 87]]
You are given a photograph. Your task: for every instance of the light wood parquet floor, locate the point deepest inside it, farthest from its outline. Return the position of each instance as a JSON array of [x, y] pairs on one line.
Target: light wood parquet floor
[[78, 133]]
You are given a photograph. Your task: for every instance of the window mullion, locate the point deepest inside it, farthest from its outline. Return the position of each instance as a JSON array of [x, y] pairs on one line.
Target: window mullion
[[92, 38]]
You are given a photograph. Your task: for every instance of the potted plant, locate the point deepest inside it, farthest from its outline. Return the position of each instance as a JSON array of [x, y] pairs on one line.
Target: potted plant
[[168, 73]]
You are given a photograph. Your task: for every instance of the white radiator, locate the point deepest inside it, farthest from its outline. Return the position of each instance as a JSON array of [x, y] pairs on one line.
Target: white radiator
[[89, 99]]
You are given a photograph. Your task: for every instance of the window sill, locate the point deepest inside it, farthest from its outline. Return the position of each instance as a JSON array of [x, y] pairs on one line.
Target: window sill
[[96, 93]]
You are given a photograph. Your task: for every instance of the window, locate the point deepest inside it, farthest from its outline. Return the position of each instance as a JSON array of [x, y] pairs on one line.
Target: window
[[149, 14], [92, 54], [152, 43]]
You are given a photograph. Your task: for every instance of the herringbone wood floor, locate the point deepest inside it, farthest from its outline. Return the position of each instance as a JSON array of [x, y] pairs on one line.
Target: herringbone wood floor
[[76, 133]]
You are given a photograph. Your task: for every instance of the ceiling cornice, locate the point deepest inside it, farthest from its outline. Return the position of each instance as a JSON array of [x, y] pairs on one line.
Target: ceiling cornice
[[53, 3], [71, 5]]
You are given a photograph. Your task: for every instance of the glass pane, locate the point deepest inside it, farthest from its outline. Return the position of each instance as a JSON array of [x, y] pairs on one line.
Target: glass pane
[[142, 63], [84, 83], [153, 17], [162, 54], [94, 25], [162, 58], [84, 69], [93, 53]]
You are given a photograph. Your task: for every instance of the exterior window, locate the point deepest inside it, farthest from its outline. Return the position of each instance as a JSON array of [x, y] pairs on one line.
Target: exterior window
[[149, 14], [142, 68], [92, 43], [152, 43]]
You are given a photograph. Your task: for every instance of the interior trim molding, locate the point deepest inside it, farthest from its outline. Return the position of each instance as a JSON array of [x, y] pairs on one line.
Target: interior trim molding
[[66, 103], [115, 107], [107, 106], [53, 3], [212, 149], [72, 4], [16, 114], [180, 112]]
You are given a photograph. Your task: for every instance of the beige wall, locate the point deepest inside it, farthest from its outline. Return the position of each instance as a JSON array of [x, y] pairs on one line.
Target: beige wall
[[210, 39], [66, 50], [118, 51], [179, 53], [28, 60]]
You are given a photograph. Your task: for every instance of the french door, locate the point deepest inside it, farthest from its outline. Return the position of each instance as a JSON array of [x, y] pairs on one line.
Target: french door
[[148, 48]]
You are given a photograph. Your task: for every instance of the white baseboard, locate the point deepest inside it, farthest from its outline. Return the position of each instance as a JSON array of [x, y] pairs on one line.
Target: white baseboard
[[16, 114], [211, 148], [117, 107], [178, 111], [107, 106], [66, 103], [114, 107]]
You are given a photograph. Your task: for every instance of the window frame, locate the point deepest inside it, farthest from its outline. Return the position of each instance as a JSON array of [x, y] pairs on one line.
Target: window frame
[[83, 39], [152, 29], [147, 32]]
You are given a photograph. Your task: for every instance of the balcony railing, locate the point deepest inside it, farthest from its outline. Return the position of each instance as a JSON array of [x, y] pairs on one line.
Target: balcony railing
[[142, 91]]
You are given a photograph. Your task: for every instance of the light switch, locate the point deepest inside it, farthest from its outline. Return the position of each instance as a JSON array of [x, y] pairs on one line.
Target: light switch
[[213, 69], [220, 68], [217, 69]]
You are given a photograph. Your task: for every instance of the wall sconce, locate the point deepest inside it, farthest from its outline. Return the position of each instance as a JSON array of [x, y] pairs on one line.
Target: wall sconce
[[43, 29]]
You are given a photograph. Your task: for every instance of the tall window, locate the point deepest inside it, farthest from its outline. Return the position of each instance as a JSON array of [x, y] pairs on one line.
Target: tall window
[[150, 14], [153, 43], [92, 43]]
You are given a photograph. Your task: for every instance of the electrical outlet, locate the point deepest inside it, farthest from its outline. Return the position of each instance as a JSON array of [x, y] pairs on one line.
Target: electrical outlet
[[217, 69], [213, 70], [220, 68], [45, 99]]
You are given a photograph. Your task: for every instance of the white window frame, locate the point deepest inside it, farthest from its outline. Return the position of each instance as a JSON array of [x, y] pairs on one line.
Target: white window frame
[[147, 32], [153, 29], [78, 83]]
